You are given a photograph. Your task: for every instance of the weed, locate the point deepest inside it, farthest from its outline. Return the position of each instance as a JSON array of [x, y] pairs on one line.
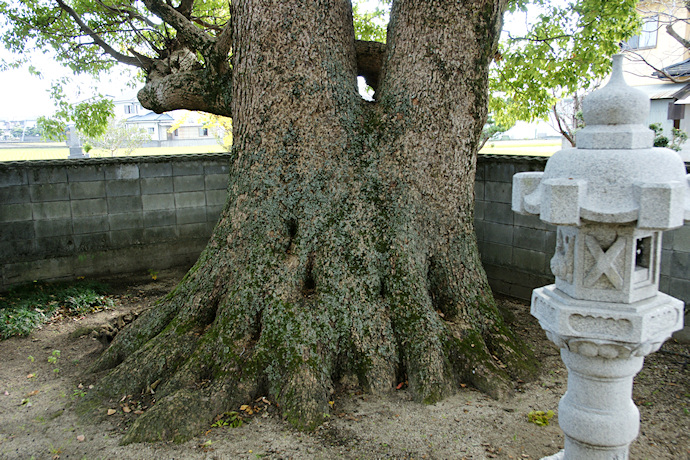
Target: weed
[[77, 393], [154, 274], [53, 359], [31, 359], [539, 417], [27, 307], [231, 419]]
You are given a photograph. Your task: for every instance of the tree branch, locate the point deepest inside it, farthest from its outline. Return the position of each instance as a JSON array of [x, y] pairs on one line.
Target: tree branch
[[188, 32], [137, 61], [679, 39], [129, 13]]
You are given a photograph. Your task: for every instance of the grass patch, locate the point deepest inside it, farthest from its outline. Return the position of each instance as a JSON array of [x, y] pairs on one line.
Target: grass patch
[[24, 308], [542, 148]]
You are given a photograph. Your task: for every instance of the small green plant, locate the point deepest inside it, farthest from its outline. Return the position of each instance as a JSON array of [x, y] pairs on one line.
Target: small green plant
[[231, 419], [77, 393], [53, 359], [539, 417], [154, 274], [31, 359]]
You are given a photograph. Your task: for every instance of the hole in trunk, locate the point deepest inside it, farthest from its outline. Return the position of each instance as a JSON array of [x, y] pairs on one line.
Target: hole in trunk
[[309, 285], [292, 228]]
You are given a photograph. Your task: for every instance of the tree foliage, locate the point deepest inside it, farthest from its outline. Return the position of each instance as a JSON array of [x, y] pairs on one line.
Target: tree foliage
[[563, 51], [118, 136]]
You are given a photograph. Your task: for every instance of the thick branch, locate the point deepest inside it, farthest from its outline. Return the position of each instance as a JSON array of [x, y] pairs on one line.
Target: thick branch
[[191, 90], [679, 39], [131, 14], [369, 61], [187, 31], [138, 61]]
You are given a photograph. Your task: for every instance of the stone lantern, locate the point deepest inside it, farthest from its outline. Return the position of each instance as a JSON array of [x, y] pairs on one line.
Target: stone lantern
[[610, 198]]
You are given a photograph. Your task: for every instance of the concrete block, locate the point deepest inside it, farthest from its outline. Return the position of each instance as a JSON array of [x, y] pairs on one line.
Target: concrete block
[[13, 195], [217, 167], [216, 181], [82, 208], [55, 246], [93, 224], [495, 253], [529, 221], [190, 199], [124, 238], [680, 265], [163, 218], [87, 190], [12, 177], [124, 187], [499, 287], [480, 229], [127, 220], [191, 215], [158, 202], [478, 191], [529, 260], [54, 227], [666, 257], [213, 213], [155, 169], [52, 210], [480, 172], [527, 238], [211, 226], [680, 289], [499, 213], [187, 168], [498, 233], [15, 212], [667, 240], [49, 192], [479, 207], [91, 242], [216, 197], [155, 185], [47, 175], [500, 172], [86, 173], [122, 171], [22, 230], [681, 239], [194, 231], [665, 284], [158, 234], [124, 204], [501, 192], [15, 251], [521, 292], [188, 183]]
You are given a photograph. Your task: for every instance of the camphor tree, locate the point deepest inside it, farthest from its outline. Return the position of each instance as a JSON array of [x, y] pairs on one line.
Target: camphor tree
[[346, 248]]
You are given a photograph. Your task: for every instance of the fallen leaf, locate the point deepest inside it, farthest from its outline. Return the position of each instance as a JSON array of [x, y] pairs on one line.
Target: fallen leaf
[[399, 385], [7, 393], [126, 409], [111, 411], [80, 386], [81, 438], [331, 403], [138, 412], [30, 376]]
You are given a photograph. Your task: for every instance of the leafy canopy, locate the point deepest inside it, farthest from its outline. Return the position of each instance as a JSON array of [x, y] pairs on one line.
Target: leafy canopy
[[565, 46]]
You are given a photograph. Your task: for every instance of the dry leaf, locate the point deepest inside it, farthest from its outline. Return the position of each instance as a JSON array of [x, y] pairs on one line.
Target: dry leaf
[[399, 385], [81, 438], [111, 411], [126, 409], [33, 393], [138, 412], [7, 393], [30, 376]]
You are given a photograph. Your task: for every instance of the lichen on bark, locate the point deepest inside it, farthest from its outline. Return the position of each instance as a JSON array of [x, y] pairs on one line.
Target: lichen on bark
[[346, 248]]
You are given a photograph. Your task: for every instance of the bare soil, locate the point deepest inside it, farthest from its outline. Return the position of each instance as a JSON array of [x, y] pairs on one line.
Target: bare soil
[[37, 417]]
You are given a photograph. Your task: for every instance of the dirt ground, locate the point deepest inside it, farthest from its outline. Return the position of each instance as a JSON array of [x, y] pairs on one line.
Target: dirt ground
[[37, 419]]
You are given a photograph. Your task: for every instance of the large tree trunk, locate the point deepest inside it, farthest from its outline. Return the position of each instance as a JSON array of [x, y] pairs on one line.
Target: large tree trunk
[[346, 248]]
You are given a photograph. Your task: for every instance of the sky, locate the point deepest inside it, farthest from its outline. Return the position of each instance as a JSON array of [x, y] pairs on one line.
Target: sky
[[24, 96]]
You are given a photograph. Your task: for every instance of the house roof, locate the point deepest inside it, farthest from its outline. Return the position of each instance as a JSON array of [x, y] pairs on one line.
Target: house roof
[[151, 116], [679, 69], [665, 91]]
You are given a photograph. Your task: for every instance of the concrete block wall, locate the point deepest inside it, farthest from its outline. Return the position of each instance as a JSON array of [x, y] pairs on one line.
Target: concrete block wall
[[70, 218], [516, 250]]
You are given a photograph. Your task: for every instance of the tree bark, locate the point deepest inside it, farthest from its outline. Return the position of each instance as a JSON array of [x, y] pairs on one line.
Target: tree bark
[[346, 248]]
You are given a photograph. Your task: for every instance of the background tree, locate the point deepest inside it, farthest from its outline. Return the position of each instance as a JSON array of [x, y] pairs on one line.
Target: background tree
[[119, 136], [346, 249]]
